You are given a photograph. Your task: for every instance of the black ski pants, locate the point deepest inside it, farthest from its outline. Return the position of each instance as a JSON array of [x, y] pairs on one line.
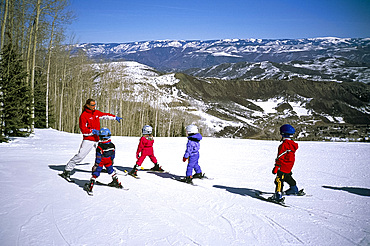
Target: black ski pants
[[281, 178]]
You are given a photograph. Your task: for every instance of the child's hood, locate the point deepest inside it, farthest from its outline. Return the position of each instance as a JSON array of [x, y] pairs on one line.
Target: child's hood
[[292, 145], [196, 137]]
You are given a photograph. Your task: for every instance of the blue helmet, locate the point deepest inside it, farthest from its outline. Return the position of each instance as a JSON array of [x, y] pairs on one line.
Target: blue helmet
[[287, 130], [104, 134]]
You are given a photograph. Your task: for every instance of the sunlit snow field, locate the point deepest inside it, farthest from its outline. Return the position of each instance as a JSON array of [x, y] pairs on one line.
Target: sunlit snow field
[[41, 208]]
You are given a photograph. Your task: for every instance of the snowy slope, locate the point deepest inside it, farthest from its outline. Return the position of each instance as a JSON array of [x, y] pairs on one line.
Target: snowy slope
[[40, 208]]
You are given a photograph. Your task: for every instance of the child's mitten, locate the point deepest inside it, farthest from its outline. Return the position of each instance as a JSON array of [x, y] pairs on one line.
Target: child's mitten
[[275, 169]]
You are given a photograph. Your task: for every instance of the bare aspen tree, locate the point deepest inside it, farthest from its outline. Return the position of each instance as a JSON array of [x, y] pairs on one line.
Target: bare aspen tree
[[33, 66], [3, 23]]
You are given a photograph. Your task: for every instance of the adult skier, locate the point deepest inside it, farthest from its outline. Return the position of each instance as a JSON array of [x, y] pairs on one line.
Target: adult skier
[[284, 163], [89, 123]]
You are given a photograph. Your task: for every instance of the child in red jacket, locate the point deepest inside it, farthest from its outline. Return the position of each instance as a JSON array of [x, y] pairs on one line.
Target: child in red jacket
[[144, 149], [284, 163]]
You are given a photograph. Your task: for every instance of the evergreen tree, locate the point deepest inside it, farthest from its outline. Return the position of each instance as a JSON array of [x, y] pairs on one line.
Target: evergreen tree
[[40, 104], [15, 98]]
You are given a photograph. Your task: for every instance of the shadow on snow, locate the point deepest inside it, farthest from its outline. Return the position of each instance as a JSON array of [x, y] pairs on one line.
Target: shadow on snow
[[242, 191], [353, 190], [80, 182]]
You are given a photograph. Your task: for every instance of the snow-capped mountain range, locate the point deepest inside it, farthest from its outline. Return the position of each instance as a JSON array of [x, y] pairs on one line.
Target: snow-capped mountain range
[[246, 87], [320, 54], [253, 109], [322, 69]]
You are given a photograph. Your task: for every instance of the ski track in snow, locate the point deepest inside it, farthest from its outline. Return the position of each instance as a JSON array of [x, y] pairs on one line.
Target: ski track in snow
[[156, 210], [274, 224]]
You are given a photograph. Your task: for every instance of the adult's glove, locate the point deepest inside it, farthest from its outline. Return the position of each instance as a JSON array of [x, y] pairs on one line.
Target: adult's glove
[[118, 119], [275, 169], [184, 159], [95, 132]]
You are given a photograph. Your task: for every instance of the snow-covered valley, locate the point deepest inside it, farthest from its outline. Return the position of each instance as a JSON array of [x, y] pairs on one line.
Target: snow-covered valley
[[40, 208]]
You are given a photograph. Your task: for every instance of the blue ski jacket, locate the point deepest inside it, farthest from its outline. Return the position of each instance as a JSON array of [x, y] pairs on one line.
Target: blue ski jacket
[[193, 145]]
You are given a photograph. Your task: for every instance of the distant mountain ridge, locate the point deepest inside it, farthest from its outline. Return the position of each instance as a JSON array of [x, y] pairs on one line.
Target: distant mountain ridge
[[319, 110], [246, 88], [179, 55], [322, 69]]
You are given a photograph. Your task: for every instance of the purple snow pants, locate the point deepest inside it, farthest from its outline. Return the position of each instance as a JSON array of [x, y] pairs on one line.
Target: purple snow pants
[[193, 164]]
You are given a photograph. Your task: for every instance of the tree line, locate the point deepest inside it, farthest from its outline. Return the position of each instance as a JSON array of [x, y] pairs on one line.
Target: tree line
[[44, 82], [138, 102]]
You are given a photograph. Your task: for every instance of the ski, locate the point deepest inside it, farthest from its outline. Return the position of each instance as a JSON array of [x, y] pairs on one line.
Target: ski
[[154, 171], [132, 175], [66, 178], [183, 180], [300, 193], [104, 184], [204, 177], [269, 199], [86, 188], [264, 192]]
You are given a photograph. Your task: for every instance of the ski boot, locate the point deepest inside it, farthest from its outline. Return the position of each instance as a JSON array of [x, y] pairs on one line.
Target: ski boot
[[66, 175], [293, 190], [188, 180], [157, 168], [89, 186], [277, 198], [198, 176], [133, 172], [115, 182]]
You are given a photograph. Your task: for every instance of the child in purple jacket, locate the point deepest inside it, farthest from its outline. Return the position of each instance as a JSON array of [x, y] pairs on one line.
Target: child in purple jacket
[[192, 153]]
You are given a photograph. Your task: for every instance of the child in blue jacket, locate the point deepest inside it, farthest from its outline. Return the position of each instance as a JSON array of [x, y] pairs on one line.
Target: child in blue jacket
[[105, 154], [192, 153]]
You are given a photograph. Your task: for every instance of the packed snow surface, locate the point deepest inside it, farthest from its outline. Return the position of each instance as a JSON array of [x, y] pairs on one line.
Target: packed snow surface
[[41, 208]]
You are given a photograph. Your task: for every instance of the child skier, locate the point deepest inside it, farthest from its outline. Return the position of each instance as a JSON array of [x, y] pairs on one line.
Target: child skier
[[284, 163], [144, 149], [105, 153], [192, 154]]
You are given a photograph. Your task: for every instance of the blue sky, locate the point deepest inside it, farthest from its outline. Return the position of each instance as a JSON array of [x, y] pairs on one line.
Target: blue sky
[[121, 21]]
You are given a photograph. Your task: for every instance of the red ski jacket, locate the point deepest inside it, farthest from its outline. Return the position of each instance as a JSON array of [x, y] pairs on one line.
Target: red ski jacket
[[145, 146], [89, 120], [286, 155]]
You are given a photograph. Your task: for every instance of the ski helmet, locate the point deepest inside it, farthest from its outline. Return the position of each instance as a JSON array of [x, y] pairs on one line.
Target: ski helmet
[[287, 130], [147, 130], [192, 129], [104, 134]]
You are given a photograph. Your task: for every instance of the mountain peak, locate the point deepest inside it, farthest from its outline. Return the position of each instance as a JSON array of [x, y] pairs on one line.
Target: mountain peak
[[178, 55]]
